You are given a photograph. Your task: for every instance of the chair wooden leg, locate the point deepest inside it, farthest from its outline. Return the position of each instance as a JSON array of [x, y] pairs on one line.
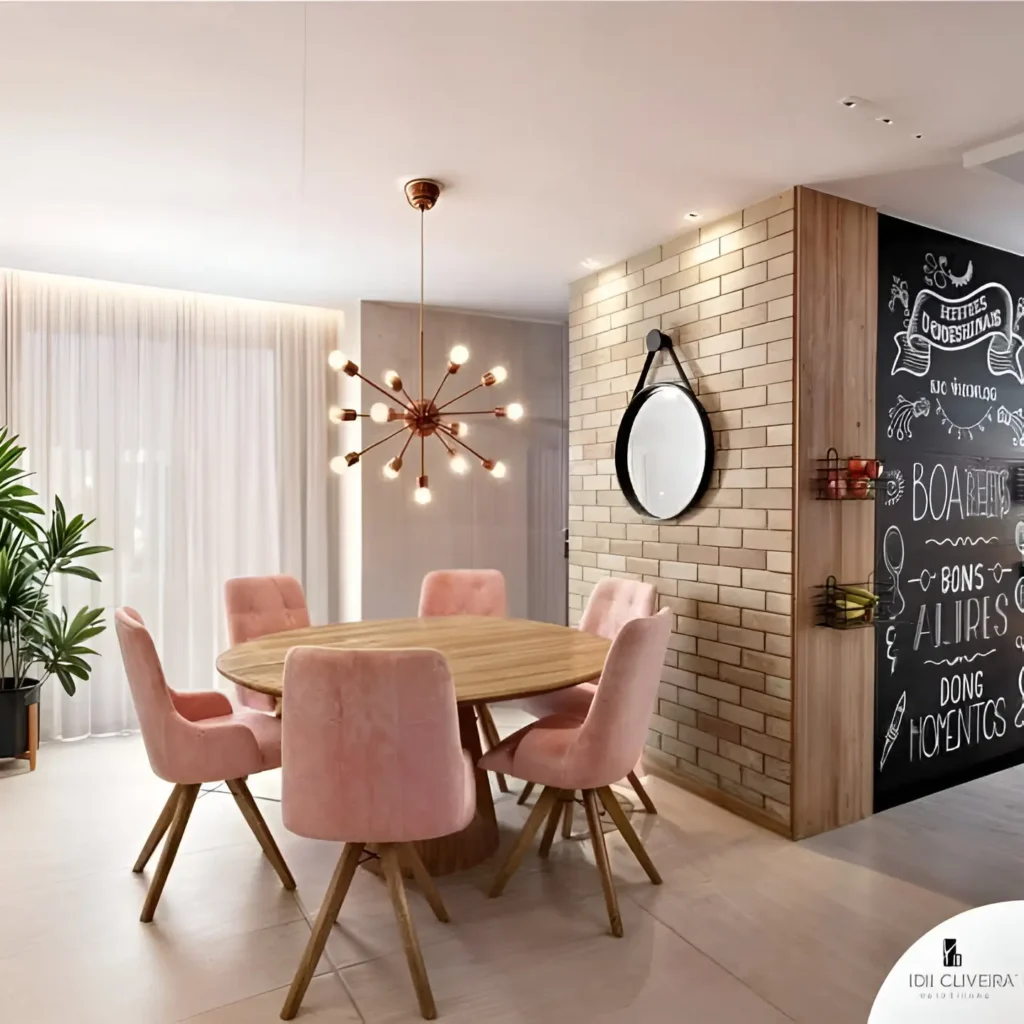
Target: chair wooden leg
[[622, 823], [329, 910], [413, 956], [552, 824], [645, 798], [253, 817], [492, 737], [163, 823], [570, 805], [425, 882], [601, 856], [525, 795], [186, 801], [541, 809]]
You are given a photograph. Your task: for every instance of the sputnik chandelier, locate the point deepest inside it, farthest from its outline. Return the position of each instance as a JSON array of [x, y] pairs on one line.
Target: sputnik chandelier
[[422, 417]]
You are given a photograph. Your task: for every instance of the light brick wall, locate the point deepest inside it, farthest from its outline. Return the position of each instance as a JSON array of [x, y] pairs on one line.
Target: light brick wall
[[724, 293]]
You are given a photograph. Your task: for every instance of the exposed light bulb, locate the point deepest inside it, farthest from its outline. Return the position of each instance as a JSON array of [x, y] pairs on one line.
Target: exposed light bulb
[[334, 413], [459, 429], [392, 468], [422, 495], [499, 373], [392, 380], [379, 412], [336, 360], [459, 354], [499, 470], [338, 464], [457, 463], [514, 411]]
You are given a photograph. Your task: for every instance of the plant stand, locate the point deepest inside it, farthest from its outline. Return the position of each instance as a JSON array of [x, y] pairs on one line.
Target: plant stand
[[33, 737]]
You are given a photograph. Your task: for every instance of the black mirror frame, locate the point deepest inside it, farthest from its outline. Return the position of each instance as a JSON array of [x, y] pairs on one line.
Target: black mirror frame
[[656, 341]]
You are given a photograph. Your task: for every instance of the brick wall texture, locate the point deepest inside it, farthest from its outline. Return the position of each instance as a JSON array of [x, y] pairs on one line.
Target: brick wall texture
[[724, 293]]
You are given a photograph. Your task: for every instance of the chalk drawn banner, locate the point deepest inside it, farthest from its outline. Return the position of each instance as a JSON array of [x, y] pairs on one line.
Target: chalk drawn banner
[[953, 324]]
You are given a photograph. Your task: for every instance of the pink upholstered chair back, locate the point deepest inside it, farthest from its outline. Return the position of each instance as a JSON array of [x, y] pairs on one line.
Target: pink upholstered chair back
[[613, 603], [612, 736], [159, 721], [258, 605], [371, 746], [463, 592]]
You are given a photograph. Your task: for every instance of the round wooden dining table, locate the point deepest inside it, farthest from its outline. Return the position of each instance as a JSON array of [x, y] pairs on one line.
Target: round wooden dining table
[[491, 659]]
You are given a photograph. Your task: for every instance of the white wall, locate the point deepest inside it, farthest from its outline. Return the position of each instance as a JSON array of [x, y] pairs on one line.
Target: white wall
[[474, 521]]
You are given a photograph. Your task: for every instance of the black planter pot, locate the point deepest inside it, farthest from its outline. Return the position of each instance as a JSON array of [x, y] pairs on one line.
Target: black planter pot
[[14, 705]]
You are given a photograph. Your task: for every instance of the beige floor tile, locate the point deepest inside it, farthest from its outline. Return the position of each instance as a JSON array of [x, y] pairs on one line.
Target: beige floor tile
[[326, 1002], [810, 934], [540, 967]]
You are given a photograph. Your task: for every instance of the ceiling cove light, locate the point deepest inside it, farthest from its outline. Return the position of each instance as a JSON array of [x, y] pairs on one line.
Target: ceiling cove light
[[423, 417]]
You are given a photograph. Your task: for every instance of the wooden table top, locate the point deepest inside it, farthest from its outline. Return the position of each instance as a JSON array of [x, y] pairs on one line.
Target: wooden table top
[[490, 659]]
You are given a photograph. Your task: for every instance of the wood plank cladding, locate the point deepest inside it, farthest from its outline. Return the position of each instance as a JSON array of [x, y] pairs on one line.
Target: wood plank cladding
[[835, 352]]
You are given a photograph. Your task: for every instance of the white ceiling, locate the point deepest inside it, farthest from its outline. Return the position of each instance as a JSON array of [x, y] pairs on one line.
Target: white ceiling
[[258, 149]]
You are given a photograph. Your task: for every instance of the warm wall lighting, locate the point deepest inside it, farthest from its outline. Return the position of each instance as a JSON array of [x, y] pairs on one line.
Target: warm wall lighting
[[590, 264], [423, 417]]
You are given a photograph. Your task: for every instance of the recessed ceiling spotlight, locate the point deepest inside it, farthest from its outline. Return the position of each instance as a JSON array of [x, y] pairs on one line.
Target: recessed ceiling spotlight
[[590, 264], [918, 135], [884, 120], [849, 102], [692, 215]]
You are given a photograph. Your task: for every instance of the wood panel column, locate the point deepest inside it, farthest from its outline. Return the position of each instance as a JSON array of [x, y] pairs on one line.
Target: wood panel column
[[835, 354]]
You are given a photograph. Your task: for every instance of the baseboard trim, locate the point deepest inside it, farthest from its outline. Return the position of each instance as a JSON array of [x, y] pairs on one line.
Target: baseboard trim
[[717, 797]]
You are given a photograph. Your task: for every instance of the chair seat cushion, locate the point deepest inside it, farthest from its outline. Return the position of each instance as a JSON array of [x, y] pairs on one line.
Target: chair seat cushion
[[574, 701], [539, 753]]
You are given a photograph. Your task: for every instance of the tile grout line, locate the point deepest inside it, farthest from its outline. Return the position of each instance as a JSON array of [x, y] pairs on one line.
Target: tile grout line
[[704, 953]]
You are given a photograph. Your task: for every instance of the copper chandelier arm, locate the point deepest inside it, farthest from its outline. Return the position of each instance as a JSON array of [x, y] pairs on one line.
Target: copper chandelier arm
[[440, 436], [389, 395], [439, 386], [467, 447], [476, 387], [381, 441], [423, 455], [472, 412], [408, 441], [422, 212]]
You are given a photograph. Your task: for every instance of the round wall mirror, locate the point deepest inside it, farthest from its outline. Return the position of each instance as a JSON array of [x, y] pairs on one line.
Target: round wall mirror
[[664, 450]]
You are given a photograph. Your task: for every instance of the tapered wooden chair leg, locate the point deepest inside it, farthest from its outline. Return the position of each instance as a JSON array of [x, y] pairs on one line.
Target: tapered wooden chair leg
[[627, 832], [601, 856], [525, 795], [329, 910], [163, 823], [645, 798], [396, 889], [552, 823], [186, 801], [425, 882], [570, 806], [254, 819], [541, 809], [493, 738]]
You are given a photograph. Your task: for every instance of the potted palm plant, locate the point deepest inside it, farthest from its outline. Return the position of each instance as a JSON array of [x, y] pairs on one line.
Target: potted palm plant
[[37, 642]]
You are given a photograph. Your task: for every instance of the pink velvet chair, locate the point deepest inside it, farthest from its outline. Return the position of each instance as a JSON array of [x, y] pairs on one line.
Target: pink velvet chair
[[612, 603], [468, 592], [258, 605], [372, 755], [564, 755], [191, 738]]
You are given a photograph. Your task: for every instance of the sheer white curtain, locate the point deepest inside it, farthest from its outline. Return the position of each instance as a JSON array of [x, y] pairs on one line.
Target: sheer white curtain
[[194, 429]]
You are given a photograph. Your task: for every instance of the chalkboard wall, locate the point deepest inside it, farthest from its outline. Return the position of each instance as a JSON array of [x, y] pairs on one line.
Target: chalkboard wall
[[949, 697]]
